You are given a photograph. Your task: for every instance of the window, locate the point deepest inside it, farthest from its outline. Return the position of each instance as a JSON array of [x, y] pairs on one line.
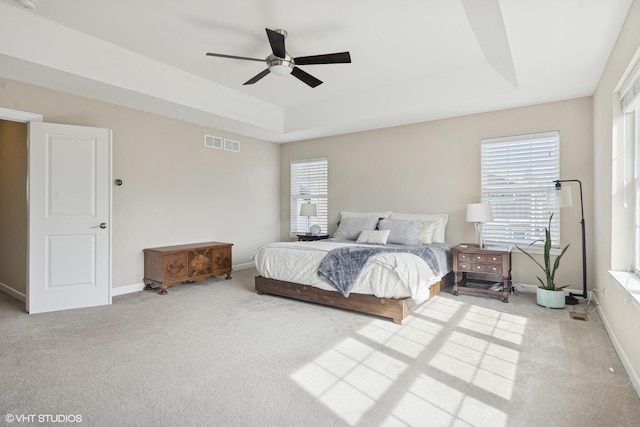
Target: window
[[309, 184], [634, 119], [630, 101], [518, 174]]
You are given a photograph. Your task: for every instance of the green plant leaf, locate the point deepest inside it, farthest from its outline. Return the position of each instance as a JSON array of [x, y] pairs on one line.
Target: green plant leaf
[[547, 268]]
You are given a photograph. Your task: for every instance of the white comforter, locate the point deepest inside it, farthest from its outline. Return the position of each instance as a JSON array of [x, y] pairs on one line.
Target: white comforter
[[387, 275]]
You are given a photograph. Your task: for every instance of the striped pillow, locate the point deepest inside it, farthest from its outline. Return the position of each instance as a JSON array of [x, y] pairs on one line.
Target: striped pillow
[[402, 232], [350, 227]]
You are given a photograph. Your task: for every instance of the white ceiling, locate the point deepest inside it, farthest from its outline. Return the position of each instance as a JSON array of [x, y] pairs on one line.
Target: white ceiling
[[412, 60]]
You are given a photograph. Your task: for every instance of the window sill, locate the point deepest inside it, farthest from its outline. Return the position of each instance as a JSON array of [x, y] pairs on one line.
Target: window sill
[[534, 250], [630, 283]]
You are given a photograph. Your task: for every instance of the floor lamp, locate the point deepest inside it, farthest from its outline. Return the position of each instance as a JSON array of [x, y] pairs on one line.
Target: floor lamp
[[565, 201]]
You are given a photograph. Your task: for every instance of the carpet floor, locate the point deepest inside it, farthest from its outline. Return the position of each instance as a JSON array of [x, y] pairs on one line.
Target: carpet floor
[[215, 353]]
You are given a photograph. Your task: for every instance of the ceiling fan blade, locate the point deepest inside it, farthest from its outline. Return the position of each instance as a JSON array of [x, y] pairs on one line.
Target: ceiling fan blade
[[276, 40], [329, 58], [305, 77], [221, 55], [257, 77]]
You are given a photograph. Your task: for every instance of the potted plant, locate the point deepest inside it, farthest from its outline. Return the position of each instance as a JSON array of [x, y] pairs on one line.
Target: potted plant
[[548, 294]]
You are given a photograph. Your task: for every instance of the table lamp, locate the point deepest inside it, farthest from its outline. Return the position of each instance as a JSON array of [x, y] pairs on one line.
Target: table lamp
[[479, 213], [309, 210]]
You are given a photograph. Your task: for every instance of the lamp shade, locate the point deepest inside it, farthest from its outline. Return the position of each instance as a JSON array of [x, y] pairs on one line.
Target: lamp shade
[[565, 199], [479, 212], [309, 209]]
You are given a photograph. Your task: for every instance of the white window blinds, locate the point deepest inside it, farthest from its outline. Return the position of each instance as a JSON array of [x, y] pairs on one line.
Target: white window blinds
[[630, 91], [517, 175], [630, 103], [634, 119], [309, 184]]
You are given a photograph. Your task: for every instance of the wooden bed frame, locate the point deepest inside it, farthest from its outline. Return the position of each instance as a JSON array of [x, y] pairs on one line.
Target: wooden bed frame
[[395, 309]]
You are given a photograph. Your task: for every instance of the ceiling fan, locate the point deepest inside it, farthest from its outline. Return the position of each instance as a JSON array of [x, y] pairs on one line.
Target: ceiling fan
[[281, 63]]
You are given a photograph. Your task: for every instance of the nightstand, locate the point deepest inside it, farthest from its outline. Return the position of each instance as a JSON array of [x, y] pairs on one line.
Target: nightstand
[[490, 260], [310, 237]]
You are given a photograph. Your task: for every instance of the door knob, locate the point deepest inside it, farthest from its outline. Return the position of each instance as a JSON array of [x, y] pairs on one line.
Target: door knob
[[102, 225]]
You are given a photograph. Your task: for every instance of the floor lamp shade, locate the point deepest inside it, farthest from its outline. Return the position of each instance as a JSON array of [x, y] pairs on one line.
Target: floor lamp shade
[[564, 196]]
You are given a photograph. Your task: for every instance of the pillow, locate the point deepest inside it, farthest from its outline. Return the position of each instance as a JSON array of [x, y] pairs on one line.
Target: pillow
[[441, 219], [426, 232], [375, 237], [345, 214], [402, 232], [350, 227]]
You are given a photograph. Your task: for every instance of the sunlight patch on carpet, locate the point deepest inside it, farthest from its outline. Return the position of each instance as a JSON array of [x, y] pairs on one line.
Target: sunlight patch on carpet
[[475, 348], [349, 378], [504, 326]]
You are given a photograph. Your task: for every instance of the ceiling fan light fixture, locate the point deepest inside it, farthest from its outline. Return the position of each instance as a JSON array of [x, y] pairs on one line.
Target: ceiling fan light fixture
[[281, 70], [280, 66]]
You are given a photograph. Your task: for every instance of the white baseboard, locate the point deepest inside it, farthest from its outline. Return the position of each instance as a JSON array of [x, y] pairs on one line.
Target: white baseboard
[[136, 287], [127, 289], [245, 266], [633, 375], [12, 292], [523, 287]]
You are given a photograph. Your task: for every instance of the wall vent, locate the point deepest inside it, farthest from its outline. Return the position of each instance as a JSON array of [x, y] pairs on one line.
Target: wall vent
[[231, 145], [211, 141]]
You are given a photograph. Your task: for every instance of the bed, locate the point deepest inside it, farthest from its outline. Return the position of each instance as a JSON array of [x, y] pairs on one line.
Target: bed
[[379, 263]]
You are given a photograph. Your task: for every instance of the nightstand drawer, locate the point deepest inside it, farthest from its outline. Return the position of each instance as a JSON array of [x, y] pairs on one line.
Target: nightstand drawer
[[494, 259], [464, 266], [480, 268], [468, 266], [497, 269], [464, 257], [480, 258]]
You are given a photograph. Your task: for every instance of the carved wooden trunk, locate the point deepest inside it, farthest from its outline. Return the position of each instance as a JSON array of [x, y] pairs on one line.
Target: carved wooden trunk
[[173, 265]]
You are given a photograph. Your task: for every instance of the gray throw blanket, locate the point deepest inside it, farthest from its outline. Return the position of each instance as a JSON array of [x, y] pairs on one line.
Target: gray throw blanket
[[341, 267]]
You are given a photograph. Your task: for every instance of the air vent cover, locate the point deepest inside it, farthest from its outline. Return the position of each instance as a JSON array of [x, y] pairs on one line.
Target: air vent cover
[[231, 145], [211, 141]]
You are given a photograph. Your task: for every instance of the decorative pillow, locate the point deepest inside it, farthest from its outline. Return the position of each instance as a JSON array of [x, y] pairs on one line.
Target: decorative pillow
[[350, 227], [376, 237], [441, 219], [345, 214], [402, 232], [426, 232]]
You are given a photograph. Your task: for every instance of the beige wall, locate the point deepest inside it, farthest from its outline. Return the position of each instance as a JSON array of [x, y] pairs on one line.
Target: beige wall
[[620, 314], [13, 205], [435, 167], [175, 190]]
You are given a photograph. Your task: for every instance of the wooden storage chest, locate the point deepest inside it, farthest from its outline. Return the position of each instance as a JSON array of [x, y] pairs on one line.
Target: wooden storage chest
[[173, 265]]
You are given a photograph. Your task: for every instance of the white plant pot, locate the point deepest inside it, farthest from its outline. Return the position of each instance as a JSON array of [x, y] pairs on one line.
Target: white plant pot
[[550, 299]]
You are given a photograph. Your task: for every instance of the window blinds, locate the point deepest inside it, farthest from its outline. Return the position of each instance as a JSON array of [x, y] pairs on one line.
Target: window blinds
[[517, 176], [630, 91], [309, 184]]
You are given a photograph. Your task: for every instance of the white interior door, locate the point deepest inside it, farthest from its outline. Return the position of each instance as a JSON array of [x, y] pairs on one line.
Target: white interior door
[[69, 217]]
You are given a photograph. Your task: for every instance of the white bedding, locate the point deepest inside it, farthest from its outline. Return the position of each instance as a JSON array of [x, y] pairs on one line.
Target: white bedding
[[386, 275]]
